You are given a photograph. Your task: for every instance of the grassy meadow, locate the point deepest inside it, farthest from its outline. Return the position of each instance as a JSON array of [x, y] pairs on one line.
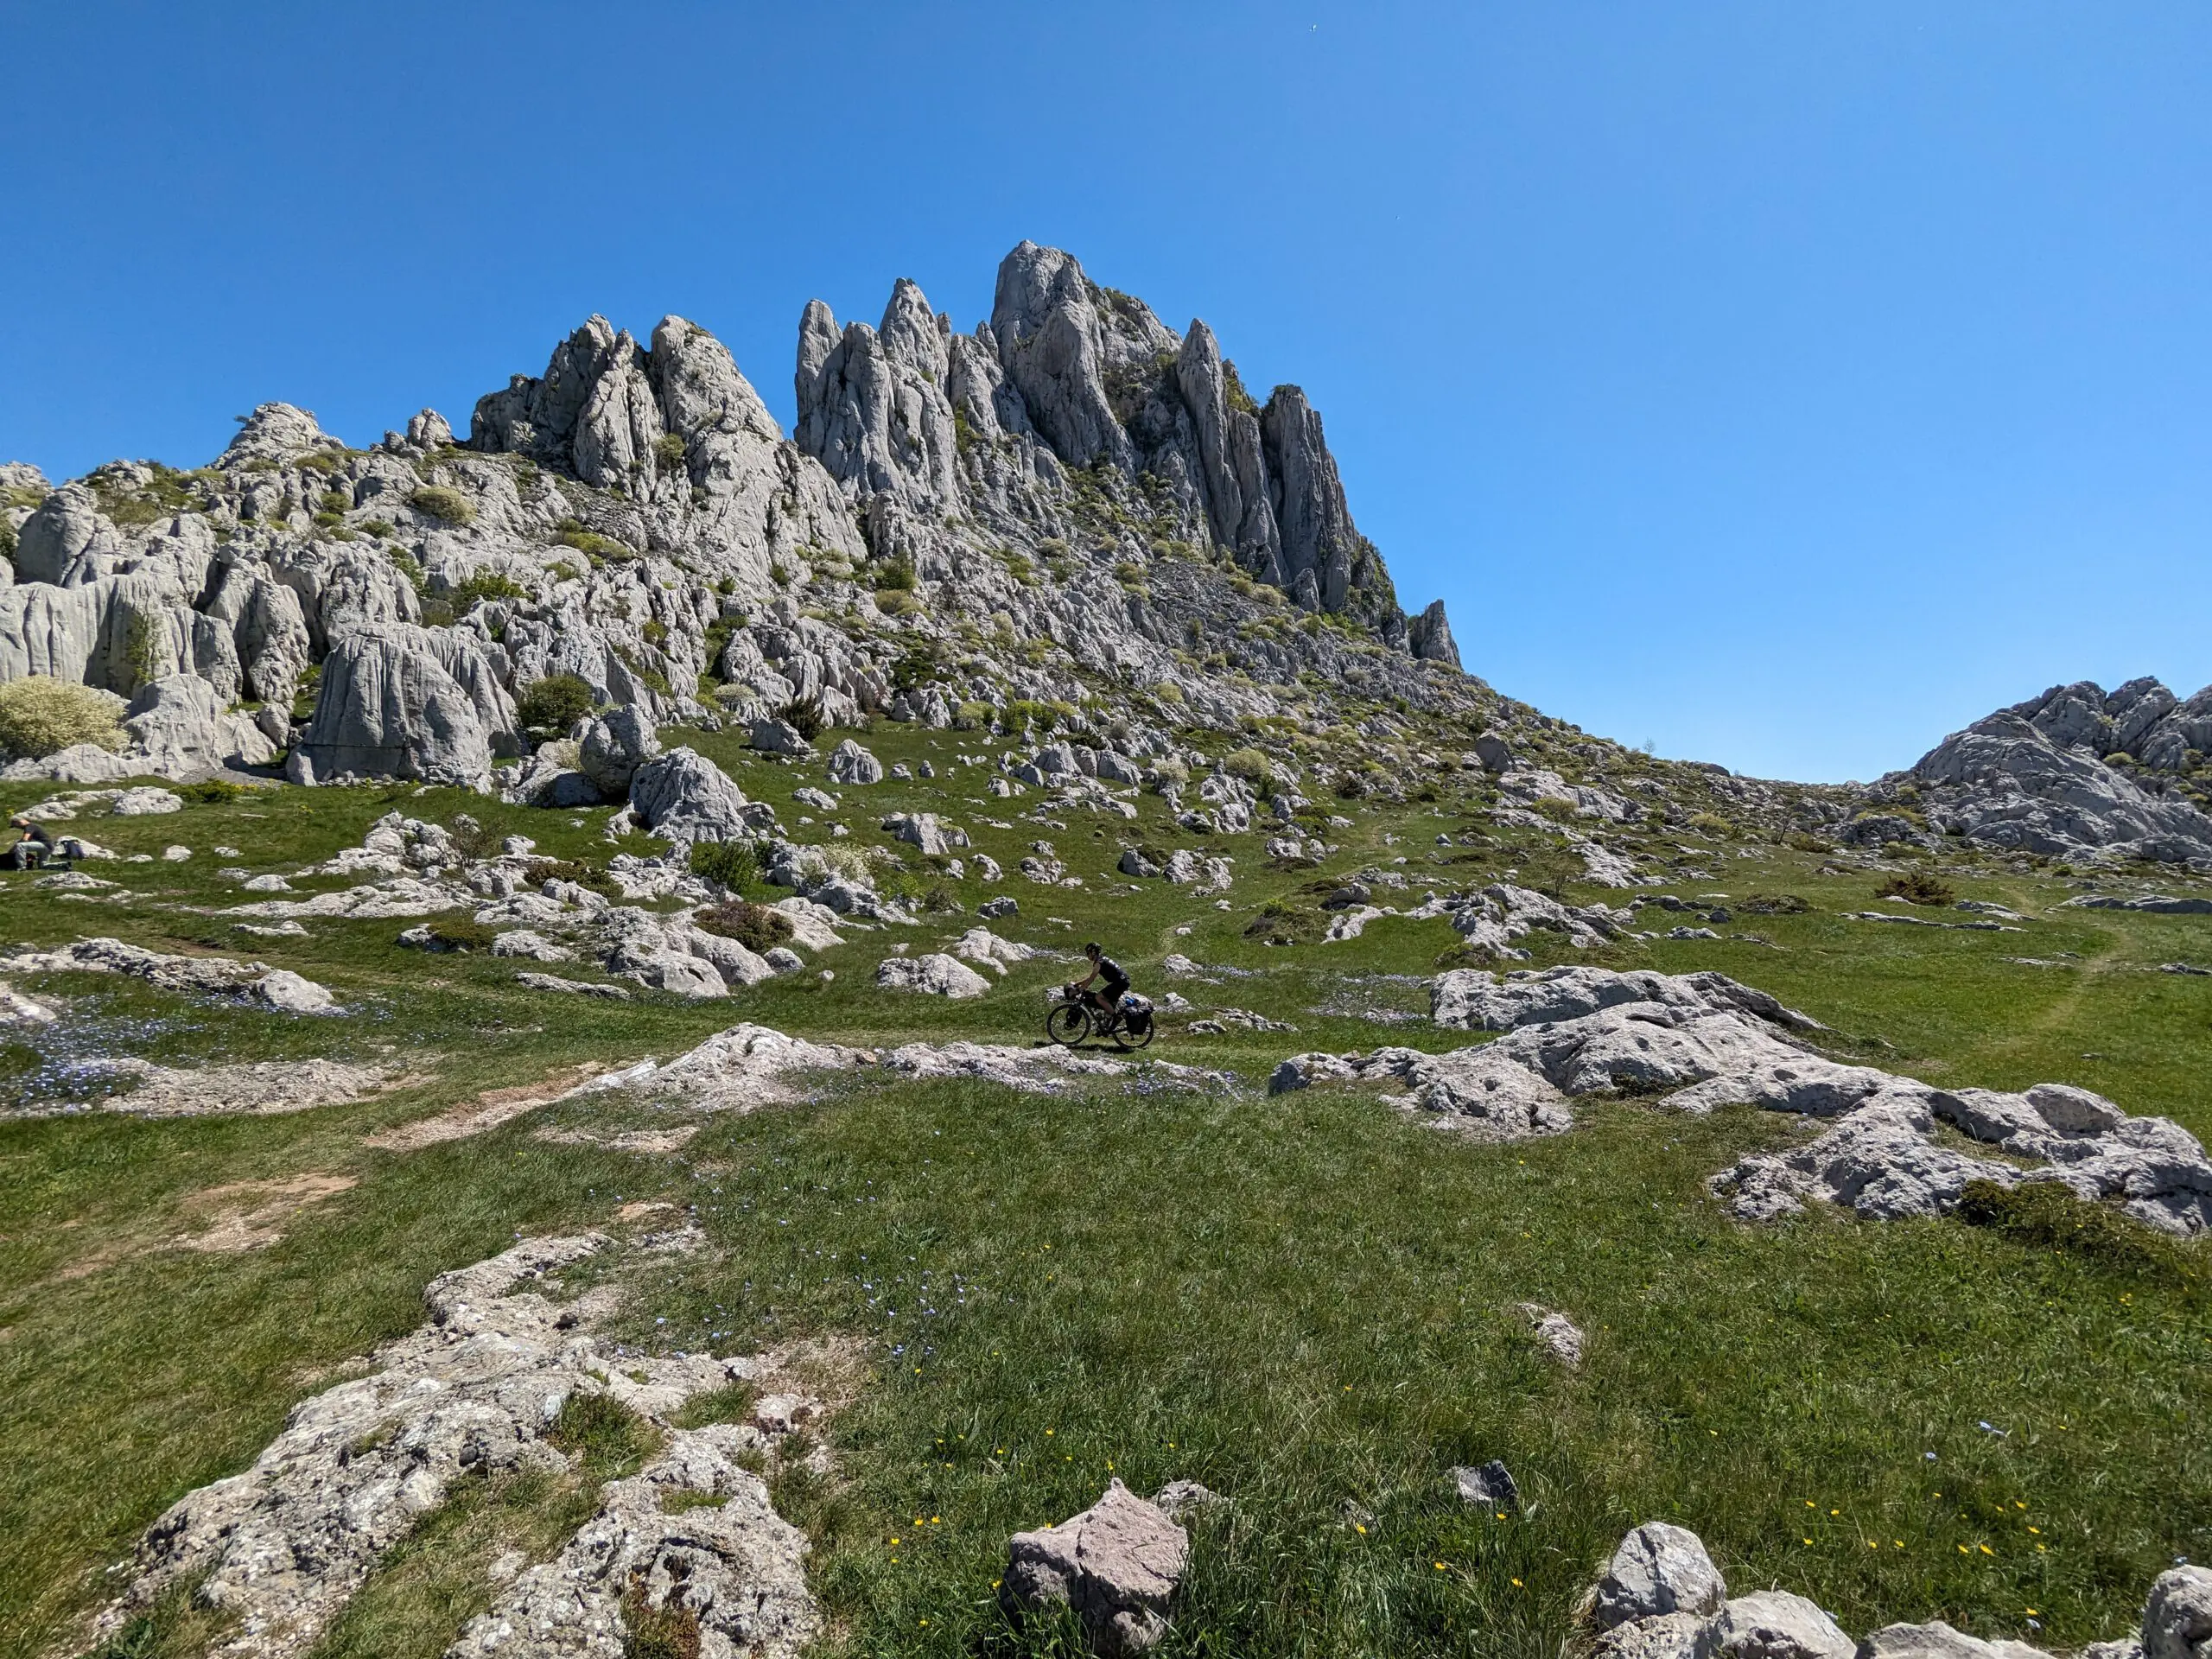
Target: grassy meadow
[[1307, 1302]]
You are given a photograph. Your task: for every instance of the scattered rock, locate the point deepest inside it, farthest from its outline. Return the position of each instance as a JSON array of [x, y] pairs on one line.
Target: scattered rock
[[1490, 1487], [851, 763], [986, 949], [1180, 1499], [254, 982], [260, 1087], [2155, 903], [612, 745], [2177, 1617], [1773, 1625], [146, 801], [1117, 1564], [780, 737], [923, 830], [1560, 1335], [684, 797], [1659, 1568], [935, 975], [283, 1545], [537, 982], [720, 1566]]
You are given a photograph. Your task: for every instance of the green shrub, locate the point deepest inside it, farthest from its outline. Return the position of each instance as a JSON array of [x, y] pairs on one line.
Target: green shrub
[[972, 717], [554, 703], [669, 447], [488, 584], [539, 871], [591, 544], [897, 601], [455, 935], [732, 864], [759, 928], [1708, 824], [40, 716], [899, 576], [803, 715], [1917, 888], [447, 507], [213, 792], [1250, 765]]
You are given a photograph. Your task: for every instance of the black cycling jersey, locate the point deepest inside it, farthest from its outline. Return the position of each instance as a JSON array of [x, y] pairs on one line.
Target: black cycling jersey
[[1110, 971]]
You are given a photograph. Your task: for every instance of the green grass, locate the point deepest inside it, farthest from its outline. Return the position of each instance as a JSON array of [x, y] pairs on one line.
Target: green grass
[[1306, 1302]]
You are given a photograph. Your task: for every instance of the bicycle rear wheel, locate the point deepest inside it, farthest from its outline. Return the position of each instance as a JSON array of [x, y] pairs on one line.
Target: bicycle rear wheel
[[1129, 1039], [1068, 1024]]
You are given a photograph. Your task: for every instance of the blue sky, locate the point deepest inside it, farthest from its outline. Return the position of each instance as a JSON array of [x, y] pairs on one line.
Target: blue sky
[[1783, 385]]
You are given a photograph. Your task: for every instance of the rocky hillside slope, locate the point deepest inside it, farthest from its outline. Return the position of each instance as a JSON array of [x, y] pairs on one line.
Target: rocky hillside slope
[[1074, 505], [2077, 772]]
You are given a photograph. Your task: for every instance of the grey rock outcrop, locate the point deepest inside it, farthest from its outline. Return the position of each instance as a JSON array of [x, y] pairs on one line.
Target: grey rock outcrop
[[614, 745], [178, 728], [851, 763], [684, 797], [1117, 1566], [2177, 1617], [671, 549], [249, 981], [1489, 1486], [720, 1563], [1938, 1640], [401, 702], [2075, 772], [1697, 1042], [283, 1545]]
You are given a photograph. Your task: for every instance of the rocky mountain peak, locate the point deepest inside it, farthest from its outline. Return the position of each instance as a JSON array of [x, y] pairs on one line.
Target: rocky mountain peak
[[275, 432]]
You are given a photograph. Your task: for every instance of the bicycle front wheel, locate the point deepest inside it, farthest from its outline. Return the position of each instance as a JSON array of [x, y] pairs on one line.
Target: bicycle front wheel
[[1068, 1024]]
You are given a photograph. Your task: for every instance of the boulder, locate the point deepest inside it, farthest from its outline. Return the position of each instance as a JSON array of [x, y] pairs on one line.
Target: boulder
[[924, 830], [1936, 1640], [2177, 1617], [1773, 1625], [684, 797], [179, 725], [1117, 1566], [612, 745], [779, 737], [1494, 752], [851, 763], [146, 802], [1668, 1635], [288, 993], [935, 975], [397, 701], [1659, 1568]]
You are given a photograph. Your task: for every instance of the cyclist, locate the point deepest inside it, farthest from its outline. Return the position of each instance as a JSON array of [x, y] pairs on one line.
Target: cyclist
[[35, 847], [1108, 998]]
